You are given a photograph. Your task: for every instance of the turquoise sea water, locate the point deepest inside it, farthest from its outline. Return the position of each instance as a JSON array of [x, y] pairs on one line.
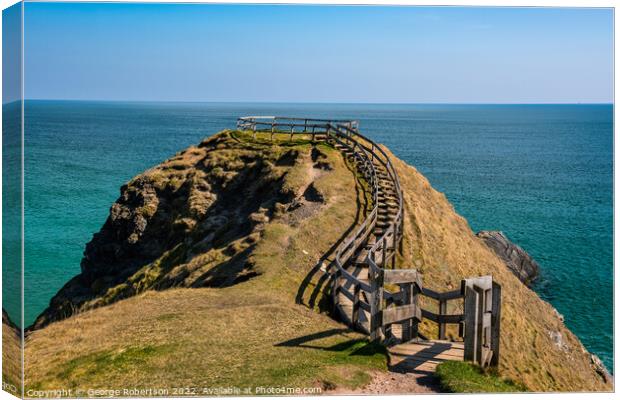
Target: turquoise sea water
[[540, 173]]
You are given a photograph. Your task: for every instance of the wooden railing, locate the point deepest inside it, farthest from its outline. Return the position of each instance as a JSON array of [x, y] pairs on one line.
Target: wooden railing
[[481, 297]]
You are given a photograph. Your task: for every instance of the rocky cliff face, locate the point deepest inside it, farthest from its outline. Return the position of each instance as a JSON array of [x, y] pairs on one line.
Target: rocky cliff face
[[6, 322], [517, 260]]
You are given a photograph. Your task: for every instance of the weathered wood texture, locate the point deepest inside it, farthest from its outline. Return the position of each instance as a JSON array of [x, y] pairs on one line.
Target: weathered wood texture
[[424, 356]]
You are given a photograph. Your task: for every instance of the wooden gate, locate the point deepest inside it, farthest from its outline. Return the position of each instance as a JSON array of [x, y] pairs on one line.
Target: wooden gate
[[481, 325]]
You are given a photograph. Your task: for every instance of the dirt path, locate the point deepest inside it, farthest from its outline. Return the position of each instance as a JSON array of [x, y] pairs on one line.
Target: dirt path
[[396, 383]]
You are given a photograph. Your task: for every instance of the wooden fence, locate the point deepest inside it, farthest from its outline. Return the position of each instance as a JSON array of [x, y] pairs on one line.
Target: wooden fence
[[376, 309]]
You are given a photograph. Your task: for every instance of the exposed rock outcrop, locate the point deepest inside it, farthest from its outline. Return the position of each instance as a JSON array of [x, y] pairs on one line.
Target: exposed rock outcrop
[[191, 221], [516, 259], [6, 321], [600, 369]]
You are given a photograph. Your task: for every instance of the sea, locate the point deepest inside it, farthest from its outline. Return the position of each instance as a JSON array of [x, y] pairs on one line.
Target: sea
[[542, 174]]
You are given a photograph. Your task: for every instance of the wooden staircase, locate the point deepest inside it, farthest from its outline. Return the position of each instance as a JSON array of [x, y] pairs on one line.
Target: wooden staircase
[[365, 271]]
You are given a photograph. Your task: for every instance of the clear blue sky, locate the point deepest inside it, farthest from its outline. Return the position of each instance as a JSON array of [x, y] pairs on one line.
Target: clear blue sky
[[199, 52], [11, 53]]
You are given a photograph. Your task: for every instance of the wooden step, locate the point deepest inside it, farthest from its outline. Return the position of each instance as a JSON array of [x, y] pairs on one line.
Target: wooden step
[[390, 207], [383, 223], [424, 356]]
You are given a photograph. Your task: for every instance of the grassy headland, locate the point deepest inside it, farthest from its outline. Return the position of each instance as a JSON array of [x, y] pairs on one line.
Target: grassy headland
[[211, 271]]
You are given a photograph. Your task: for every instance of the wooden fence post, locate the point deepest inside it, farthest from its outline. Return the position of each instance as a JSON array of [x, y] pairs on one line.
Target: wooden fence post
[[480, 324], [471, 323], [407, 290], [376, 304], [356, 304], [443, 310], [384, 252], [496, 311], [335, 288]]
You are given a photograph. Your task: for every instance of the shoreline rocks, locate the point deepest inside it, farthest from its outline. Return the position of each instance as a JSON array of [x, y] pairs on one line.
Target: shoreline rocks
[[516, 259], [6, 321]]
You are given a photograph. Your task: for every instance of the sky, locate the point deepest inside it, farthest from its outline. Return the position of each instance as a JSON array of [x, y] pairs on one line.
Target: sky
[[305, 53], [11, 53]]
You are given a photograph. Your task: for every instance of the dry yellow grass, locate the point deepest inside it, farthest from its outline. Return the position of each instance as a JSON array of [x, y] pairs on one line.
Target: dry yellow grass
[[200, 338], [11, 357]]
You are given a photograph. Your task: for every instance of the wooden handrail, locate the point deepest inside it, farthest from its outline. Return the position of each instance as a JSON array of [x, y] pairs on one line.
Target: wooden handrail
[[345, 132], [385, 307]]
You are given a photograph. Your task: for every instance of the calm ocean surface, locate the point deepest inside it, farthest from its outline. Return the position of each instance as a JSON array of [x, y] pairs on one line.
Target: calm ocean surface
[[540, 173]]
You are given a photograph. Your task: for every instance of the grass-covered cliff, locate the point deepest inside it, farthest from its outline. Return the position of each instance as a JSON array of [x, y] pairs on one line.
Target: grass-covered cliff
[[196, 276], [210, 251], [11, 356]]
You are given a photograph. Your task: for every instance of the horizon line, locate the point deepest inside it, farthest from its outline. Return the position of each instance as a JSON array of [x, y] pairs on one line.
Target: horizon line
[[315, 102]]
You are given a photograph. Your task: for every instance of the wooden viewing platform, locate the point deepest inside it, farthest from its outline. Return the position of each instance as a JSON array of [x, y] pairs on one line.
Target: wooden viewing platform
[[370, 291]]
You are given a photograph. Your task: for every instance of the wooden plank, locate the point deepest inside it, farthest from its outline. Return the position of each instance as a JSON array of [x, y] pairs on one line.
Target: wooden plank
[[397, 314], [444, 319], [426, 352], [430, 343], [496, 313], [480, 323], [483, 282], [441, 326], [446, 355], [451, 295], [356, 304], [396, 276], [414, 323], [407, 294], [471, 322], [353, 279], [335, 289], [376, 303], [486, 319], [364, 306], [428, 357], [424, 356], [347, 294]]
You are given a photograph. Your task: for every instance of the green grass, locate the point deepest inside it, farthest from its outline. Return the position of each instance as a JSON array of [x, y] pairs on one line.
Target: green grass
[[79, 368], [462, 377]]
